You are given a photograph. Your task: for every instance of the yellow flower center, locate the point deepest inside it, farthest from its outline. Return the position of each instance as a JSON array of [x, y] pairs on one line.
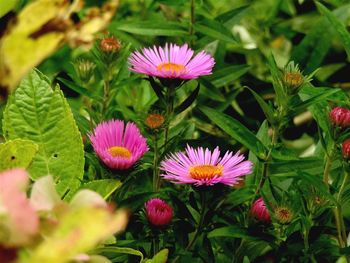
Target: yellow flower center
[[170, 67], [294, 79], [203, 172], [118, 151]]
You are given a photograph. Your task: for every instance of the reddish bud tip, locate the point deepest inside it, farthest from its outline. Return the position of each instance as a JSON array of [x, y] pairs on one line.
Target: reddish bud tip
[[260, 212], [340, 117], [346, 149]]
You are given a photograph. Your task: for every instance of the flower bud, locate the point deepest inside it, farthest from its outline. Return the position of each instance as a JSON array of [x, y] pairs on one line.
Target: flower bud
[[110, 45], [292, 77], [84, 69], [340, 117], [260, 212], [346, 149], [154, 121], [158, 212], [283, 215]]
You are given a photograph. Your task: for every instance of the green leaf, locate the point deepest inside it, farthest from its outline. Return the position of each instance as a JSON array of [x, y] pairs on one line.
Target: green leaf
[[337, 25], [78, 89], [7, 6], [188, 102], [160, 257], [151, 28], [236, 130], [39, 113], [119, 250], [104, 187], [231, 232], [17, 154], [277, 85], [268, 111], [227, 75], [214, 30]]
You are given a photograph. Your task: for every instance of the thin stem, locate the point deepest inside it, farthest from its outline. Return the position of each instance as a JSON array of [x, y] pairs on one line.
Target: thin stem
[[170, 96], [327, 168], [339, 215], [106, 90], [155, 164], [199, 226]]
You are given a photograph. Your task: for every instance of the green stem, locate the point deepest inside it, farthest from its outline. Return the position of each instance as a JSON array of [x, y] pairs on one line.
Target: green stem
[[339, 215], [155, 165], [266, 162], [327, 168], [199, 226], [106, 90], [170, 96]]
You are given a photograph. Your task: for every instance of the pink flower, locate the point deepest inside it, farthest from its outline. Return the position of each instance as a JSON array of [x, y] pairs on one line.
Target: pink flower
[[158, 212], [340, 116], [17, 216], [172, 61], [260, 212], [118, 148], [203, 167]]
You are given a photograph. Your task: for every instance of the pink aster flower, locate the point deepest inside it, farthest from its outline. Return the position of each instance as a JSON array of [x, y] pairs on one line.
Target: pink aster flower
[[18, 218], [119, 146], [260, 212], [172, 61], [158, 212], [203, 167]]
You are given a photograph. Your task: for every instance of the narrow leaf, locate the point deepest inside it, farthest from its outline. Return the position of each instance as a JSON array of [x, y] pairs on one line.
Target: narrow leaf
[[188, 102]]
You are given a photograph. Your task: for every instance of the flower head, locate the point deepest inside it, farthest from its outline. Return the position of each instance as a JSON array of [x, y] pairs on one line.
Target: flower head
[[259, 211], [340, 117], [110, 44], [119, 146], [158, 212], [293, 77], [283, 215], [346, 149], [172, 61], [203, 167]]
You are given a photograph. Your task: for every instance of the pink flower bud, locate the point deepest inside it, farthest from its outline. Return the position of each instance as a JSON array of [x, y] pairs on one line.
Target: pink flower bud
[[260, 212], [346, 149], [340, 117], [158, 212]]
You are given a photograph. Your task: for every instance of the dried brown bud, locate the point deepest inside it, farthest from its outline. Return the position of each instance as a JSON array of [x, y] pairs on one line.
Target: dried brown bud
[[283, 215], [154, 120]]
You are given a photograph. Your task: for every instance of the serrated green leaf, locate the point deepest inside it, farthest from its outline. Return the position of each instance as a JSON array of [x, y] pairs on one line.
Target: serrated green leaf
[[17, 154], [104, 187], [39, 113], [236, 130], [337, 25]]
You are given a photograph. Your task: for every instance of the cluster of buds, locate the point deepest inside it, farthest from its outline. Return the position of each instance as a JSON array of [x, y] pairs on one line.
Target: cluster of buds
[[158, 212]]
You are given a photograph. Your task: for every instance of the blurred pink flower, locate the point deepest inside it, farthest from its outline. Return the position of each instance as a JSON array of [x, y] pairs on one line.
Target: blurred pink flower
[[158, 212], [203, 167], [117, 145], [172, 61], [18, 217], [340, 116], [259, 211]]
